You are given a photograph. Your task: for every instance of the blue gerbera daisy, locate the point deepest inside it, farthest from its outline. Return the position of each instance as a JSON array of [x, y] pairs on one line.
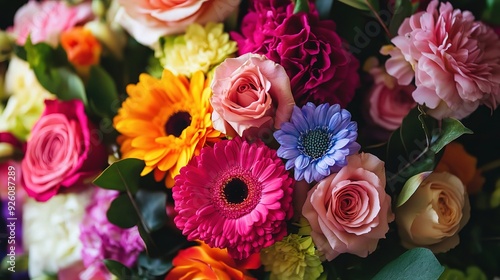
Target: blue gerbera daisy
[[317, 140]]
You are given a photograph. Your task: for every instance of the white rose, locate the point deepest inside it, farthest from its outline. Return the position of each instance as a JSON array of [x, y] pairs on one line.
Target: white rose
[[51, 231]]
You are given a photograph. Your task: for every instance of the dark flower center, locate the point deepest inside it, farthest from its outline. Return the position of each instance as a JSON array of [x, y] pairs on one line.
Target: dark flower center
[[177, 123], [235, 191], [316, 143]]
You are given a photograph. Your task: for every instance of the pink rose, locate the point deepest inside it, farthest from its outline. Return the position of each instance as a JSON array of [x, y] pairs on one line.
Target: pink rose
[[388, 102], [45, 20], [148, 20], [60, 151], [349, 211], [456, 60], [250, 91]]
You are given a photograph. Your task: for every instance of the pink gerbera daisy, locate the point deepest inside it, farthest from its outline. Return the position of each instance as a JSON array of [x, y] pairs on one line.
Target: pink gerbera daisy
[[235, 195]]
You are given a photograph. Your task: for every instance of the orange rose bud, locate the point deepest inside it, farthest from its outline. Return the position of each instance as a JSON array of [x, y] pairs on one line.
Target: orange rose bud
[[82, 48], [458, 162]]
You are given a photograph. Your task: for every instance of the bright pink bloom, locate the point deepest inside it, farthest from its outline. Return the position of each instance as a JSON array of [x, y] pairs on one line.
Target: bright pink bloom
[[62, 150], [45, 20], [455, 58], [349, 211], [235, 195]]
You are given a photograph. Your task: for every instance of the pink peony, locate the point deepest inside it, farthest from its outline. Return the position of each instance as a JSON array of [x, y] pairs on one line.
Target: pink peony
[[44, 21], [388, 102], [456, 60], [103, 240], [148, 20], [250, 91], [321, 70], [61, 151], [349, 211]]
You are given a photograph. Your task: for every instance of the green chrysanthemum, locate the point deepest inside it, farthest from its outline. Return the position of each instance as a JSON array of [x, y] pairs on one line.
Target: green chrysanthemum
[[294, 257], [200, 48]]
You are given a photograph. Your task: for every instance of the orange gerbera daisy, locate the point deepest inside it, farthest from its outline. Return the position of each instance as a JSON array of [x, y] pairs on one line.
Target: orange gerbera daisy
[[165, 122]]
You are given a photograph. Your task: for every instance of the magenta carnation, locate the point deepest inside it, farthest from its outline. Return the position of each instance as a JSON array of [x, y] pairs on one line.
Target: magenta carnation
[[235, 195], [455, 59], [103, 240], [321, 70]]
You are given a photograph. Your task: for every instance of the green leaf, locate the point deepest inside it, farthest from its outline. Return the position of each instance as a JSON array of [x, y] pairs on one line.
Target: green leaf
[[324, 7], [121, 212], [153, 266], [162, 242], [122, 175], [410, 187], [101, 92], [490, 13], [118, 269], [152, 205], [62, 82], [301, 6], [417, 264], [402, 10], [451, 129], [365, 5]]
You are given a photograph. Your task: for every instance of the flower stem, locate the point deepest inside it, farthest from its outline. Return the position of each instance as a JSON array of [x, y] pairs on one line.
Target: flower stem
[[490, 166]]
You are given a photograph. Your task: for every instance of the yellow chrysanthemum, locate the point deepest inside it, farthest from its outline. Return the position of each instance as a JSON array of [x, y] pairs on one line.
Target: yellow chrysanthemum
[[292, 258], [165, 122], [199, 49]]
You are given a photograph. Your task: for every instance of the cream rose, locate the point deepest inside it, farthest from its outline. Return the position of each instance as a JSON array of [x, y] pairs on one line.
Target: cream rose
[[434, 214], [148, 20], [349, 211], [250, 91]]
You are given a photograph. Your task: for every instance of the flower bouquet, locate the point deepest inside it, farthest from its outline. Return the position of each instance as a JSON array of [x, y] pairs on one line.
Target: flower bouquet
[[260, 139]]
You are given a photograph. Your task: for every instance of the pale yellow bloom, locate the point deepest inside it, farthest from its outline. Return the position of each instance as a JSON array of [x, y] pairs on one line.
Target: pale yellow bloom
[[26, 102], [294, 257], [200, 48]]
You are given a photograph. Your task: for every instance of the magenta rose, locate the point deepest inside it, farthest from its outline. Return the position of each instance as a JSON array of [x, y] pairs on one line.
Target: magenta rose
[[388, 102], [250, 91], [44, 21], [349, 211], [148, 20], [60, 151], [455, 59]]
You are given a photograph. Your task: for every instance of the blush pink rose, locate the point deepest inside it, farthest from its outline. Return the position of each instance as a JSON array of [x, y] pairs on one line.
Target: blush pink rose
[[45, 20], [148, 20], [388, 102], [349, 211], [61, 151], [250, 91], [456, 60]]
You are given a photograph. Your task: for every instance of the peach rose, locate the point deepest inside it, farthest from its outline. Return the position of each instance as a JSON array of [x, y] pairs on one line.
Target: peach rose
[[148, 20], [349, 211], [434, 214], [250, 91]]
